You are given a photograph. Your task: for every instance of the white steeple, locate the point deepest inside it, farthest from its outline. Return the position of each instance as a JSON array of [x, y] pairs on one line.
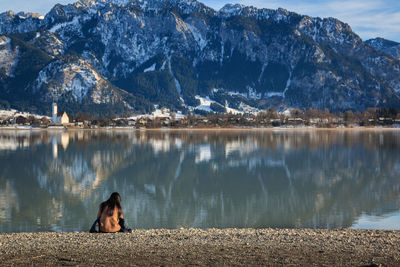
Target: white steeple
[[54, 115]]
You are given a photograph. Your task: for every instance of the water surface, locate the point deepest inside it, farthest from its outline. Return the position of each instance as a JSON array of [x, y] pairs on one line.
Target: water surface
[[54, 181]]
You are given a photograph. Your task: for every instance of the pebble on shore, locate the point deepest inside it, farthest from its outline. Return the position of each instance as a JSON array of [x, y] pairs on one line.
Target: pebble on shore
[[345, 247]]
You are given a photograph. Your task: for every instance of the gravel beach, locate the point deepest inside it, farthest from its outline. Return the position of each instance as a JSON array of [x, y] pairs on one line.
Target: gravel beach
[[216, 247]]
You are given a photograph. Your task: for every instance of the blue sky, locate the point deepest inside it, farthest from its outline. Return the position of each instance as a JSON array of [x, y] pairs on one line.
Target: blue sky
[[368, 18]]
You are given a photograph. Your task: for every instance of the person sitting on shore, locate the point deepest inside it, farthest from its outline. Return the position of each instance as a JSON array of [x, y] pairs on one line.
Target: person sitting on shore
[[110, 218]]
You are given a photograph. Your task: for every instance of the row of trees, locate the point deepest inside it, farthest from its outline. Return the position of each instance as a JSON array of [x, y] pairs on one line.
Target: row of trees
[[371, 116], [271, 118], [268, 118]]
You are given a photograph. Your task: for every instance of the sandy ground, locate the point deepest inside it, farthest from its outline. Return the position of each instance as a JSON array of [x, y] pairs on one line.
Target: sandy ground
[[231, 247]]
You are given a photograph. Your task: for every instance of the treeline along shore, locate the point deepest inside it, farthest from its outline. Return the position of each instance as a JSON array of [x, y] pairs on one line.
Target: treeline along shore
[[209, 247], [372, 117]]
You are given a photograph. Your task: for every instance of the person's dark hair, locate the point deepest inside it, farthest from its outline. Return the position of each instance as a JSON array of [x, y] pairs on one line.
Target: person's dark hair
[[114, 200]]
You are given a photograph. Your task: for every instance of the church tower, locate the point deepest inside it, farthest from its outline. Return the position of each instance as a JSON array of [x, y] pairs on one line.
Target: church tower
[[54, 114]]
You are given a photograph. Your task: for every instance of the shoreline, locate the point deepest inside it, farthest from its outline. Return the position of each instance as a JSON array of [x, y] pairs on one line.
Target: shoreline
[[241, 247], [359, 128]]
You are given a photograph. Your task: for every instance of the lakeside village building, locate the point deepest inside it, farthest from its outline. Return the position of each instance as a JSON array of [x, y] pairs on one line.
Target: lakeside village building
[[59, 117]]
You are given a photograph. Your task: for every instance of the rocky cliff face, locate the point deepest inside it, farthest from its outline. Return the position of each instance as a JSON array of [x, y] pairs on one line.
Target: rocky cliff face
[[389, 47], [130, 55]]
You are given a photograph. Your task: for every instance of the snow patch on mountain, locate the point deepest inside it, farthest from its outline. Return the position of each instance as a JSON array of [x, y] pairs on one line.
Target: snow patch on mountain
[[4, 40], [151, 68], [77, 78], [177, 84], [73, 25], [197, 36], [247, 109], [251, 93], [8, 57], [205, 103], [121, 2], [76, 81], [233, 110], [13, 113], [232, 9], [289, 81], [274, 94]]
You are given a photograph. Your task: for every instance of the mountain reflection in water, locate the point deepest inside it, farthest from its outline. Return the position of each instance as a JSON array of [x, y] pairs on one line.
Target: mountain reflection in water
[[54, 181]]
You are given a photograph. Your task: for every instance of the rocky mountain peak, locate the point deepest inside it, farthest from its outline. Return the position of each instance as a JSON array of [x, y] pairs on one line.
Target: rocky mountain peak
[[21, 15], [388, 47], [142, 4], [233, 9], [381, 43], [10, 22]]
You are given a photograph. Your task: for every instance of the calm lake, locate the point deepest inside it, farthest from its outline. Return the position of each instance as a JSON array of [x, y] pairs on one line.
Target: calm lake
[[54, 181]]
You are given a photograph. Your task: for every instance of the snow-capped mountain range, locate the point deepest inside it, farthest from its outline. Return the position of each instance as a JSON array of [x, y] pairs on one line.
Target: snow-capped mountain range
[[118, 56]]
